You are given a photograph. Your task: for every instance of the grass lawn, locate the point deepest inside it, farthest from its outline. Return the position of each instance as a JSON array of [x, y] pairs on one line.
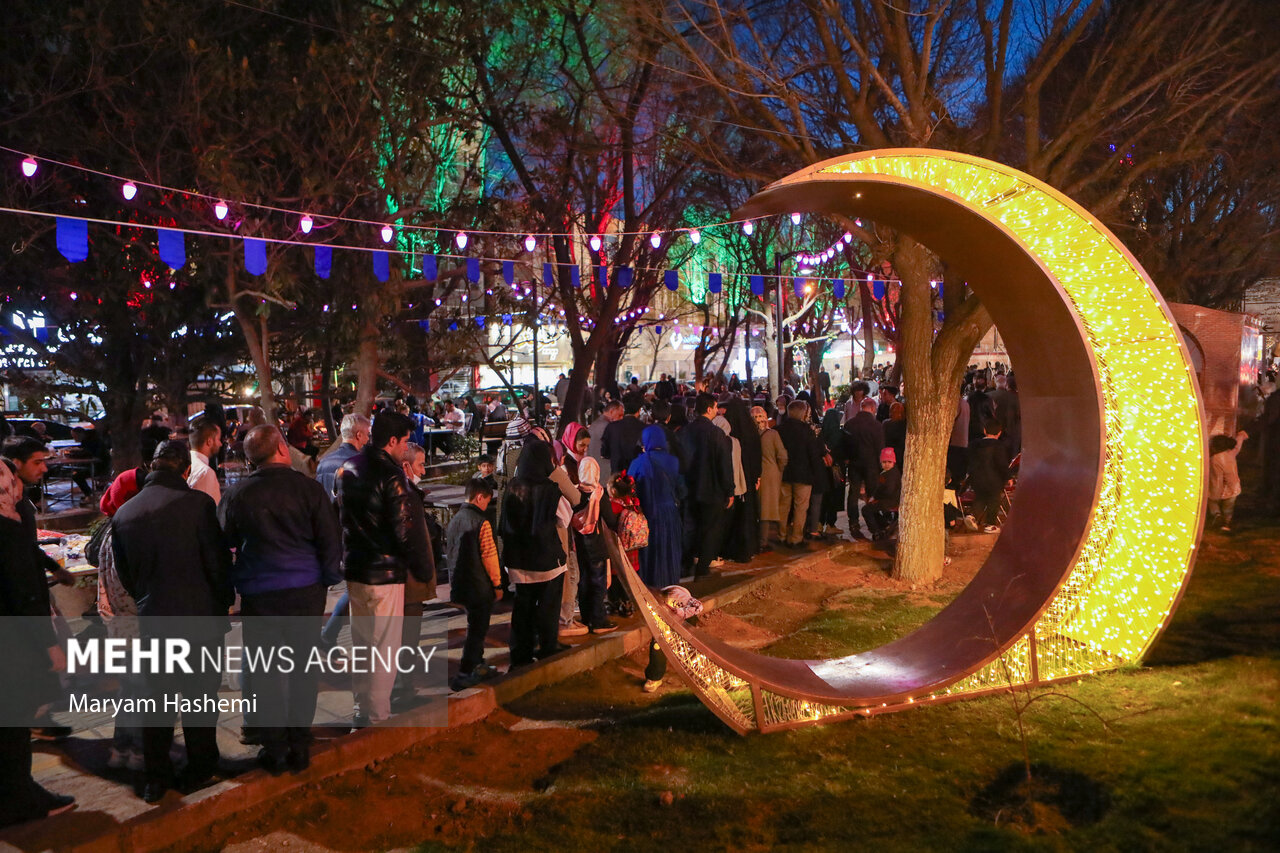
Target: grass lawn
[[1182, 753]]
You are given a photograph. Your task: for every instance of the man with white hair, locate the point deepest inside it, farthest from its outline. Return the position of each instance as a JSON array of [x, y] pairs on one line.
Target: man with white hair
[[355, 432]]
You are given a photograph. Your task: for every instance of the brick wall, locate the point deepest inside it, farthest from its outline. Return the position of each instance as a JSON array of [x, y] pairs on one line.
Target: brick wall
[[1214, 339]]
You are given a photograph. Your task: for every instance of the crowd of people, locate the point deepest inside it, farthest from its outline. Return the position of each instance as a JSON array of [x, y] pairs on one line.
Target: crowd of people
[[685, 479]]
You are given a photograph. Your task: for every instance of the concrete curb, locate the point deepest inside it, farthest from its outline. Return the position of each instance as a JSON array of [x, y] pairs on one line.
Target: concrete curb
[[168, 825]]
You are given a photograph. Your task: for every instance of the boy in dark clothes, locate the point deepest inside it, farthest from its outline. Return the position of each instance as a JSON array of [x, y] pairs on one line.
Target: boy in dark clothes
[[878, 511], [485, 473], [988, 473], [472, 558]]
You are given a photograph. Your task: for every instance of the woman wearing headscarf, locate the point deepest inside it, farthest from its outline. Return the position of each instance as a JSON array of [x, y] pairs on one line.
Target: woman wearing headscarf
[[575, 442], [661, 491], [592, 514], [773, 459], [533, 511], [743, 519], [573, 446]]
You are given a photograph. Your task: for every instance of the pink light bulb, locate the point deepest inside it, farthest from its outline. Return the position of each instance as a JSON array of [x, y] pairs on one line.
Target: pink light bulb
[[530, 243], [130, 189], [655, 240], [387, 233], [795, 219], [695, 237], [306, 224], [29, 167], [595, 242], [461, 239], [220, 210], [748, 228]]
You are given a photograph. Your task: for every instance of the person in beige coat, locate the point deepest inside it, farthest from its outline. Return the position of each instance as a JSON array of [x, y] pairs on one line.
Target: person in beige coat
[[773, 460]]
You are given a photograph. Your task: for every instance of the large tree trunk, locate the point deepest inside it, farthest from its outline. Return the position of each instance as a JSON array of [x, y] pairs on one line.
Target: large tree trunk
[[366, 367], [124, 399], [933, 370], [607, 359], [868, 331], [256, 337]]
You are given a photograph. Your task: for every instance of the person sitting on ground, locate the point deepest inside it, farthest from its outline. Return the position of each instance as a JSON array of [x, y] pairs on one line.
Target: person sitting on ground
[[476, 584], [988, 474], [878, 511]]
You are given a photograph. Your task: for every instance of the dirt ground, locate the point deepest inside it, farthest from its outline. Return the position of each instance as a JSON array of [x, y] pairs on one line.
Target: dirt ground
[[475, 781]]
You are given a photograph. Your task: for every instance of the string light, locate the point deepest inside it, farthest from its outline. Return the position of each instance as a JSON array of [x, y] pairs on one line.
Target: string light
[[306, 223], [29, 166], [695, 236], [594, 242], [387, 233], [748, 227], [530, 243], [461, 240], [130, 189], [220, 210], [655, 240], [795, 219]]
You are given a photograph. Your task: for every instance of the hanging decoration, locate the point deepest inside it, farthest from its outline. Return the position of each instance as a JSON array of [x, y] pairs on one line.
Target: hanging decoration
[[323, 261], [73, 238], [172, 247], [381, 266], [255, 256]]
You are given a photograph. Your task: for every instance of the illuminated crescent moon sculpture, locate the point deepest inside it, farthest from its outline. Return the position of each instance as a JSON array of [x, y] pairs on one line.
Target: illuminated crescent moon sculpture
[[1098, 545]]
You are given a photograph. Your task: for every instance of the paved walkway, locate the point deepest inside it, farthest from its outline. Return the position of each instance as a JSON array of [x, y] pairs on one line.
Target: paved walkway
[[110, 815]]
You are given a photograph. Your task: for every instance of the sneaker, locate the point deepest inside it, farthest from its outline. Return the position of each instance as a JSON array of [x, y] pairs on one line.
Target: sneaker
[[573, 629], [991, 528], [484, 672], [604, 627], [464, 681], [652, 685], [970, 524]]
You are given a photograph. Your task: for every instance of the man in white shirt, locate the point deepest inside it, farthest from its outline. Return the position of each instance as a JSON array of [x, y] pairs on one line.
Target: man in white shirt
[[206, 441], [453, 418]]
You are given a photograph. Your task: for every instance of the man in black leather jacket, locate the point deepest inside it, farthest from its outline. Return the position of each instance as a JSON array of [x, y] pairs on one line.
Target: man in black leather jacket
[[384, 542]]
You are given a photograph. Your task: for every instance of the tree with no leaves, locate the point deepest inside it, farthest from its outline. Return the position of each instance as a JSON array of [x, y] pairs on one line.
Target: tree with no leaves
[[1048, 90]]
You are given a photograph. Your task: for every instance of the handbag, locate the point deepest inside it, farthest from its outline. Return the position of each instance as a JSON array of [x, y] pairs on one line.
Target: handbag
[[93, 549]]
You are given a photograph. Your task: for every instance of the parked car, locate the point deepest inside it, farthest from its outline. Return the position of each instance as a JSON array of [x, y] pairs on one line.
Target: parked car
[[22, 424]]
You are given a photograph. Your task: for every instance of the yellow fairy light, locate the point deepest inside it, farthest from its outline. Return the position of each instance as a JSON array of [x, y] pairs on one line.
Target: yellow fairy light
[[1141, 535]]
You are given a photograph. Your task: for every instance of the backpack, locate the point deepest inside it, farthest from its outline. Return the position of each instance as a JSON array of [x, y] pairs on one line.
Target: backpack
[[633, 529]]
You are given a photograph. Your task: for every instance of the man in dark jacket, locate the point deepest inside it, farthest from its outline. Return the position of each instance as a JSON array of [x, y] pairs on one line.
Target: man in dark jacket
[[988, 473], [31, 656], [805, 459], [710, 479], [172, 560], [288, 553], [621, 438], [864, 439], [384, 542]]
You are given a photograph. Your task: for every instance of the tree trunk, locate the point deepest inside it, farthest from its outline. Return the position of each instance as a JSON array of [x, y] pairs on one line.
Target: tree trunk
[[933, 370], [607, 359], [366, 367], [868, 331], [256, 338]]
